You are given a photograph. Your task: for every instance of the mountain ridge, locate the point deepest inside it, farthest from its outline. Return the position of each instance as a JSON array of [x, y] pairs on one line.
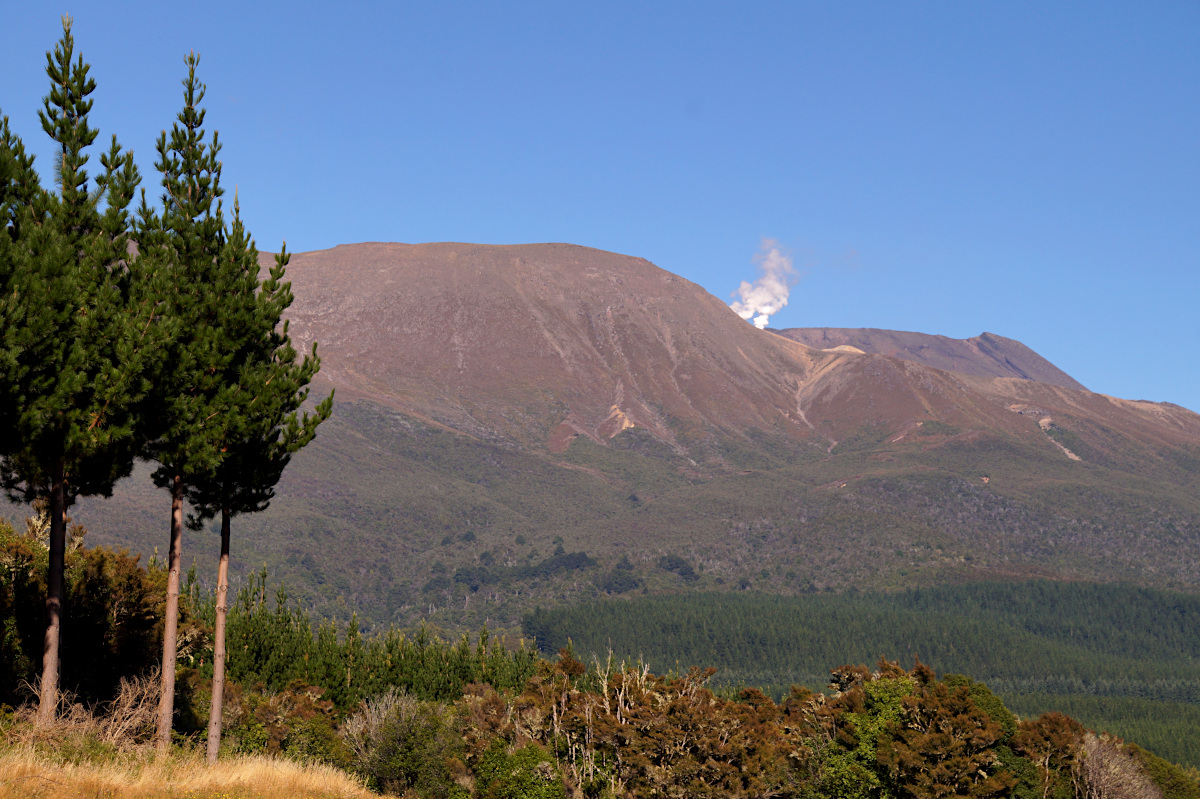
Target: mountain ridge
[[985, 355]]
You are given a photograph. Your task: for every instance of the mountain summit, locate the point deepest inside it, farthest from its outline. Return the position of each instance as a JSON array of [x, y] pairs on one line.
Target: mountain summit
[[539, 343]]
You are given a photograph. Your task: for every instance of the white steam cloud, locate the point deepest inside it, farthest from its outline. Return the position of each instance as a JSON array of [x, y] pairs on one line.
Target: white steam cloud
[[769, 294]]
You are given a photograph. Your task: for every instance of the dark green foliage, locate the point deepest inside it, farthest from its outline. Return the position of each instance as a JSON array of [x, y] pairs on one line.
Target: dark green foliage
[[186, 240], [277, 646], [1028, 783], [18, 187], [1098, 635], [561, 562], [296, 721], [1125, 658], [1174, 782], [70, 382], [111, 627], [76, 345], [262, 425], [618, 581], [401, 743], [676, 564]]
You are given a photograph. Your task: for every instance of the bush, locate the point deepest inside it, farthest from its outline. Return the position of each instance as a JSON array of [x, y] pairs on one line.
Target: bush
[[674, 563], [527, 773], [297, 722], [111, 616], [399, 742], [618, 582]]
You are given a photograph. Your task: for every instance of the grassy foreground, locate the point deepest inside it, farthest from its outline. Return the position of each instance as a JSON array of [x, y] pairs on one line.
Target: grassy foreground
[[27, 772], [110, 754]]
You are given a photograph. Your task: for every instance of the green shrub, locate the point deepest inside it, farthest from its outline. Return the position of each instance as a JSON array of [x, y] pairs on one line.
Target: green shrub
[[527, 773], [399, 742]]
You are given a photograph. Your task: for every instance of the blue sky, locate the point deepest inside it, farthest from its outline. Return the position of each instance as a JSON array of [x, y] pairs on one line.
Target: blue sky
[[1030, 169]]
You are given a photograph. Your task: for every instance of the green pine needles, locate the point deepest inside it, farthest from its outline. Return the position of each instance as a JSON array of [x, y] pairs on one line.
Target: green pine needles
[[150, 336], [77, 346], [227, 399]]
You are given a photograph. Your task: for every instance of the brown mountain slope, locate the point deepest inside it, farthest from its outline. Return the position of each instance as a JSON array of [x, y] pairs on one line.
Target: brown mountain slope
[[538, 343], [985, 355], [497, 403]]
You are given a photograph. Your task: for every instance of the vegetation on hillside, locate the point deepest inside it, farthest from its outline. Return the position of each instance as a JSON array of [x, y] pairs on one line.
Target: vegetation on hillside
[[409, 505], [1119, 658], [156, 339], [417, 715]]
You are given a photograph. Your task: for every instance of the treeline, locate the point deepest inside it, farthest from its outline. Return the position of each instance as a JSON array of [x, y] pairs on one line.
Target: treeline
[[1024, 639], [115, 612], [273, 644], [1029, 630]]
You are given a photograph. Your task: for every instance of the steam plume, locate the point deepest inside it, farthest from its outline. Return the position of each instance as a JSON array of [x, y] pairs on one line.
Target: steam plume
[[769, 294]]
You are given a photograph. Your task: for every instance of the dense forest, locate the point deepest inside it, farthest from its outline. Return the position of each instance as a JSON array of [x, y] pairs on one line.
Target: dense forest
[[1121, 658]]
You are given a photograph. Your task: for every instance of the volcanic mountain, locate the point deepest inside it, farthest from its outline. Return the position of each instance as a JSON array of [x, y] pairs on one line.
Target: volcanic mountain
[[539, 423]]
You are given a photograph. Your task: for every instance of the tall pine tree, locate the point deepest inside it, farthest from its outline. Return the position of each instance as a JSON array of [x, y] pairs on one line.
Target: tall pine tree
[[78, 342], [263, 426], [185, 240]]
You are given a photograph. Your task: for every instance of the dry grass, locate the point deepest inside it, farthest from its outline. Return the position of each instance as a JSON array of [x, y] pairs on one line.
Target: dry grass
[[127, 722], [110, 754], [27, 773]]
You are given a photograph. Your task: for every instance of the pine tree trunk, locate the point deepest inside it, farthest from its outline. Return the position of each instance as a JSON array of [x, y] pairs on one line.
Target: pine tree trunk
[[218, 685], [166, 705], [48, 701]]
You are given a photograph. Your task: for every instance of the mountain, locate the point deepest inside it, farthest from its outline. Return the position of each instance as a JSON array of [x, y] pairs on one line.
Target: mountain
[[985, 355], [539, 344], [537, 424]]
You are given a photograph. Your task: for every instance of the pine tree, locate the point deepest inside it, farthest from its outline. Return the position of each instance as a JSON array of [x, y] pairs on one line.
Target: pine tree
[[18, 187], [263, 424], [77, 345], [185, 241]]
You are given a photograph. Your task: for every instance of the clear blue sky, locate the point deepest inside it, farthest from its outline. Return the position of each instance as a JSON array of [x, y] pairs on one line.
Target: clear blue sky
[[1031, 169]]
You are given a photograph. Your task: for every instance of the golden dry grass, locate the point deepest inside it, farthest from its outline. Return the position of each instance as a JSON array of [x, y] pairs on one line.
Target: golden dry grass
[[27, 773]]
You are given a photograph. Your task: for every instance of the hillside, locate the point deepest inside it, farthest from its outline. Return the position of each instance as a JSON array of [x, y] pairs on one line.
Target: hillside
[[545, 423], [985, 355]]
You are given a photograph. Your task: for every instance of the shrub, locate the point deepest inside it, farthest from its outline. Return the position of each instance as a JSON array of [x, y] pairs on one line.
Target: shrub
[[399, 742], [618, 582], [527, 773]]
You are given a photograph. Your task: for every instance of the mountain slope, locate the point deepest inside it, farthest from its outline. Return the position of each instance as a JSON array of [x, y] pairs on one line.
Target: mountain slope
[[500, 408], [536, 343], [985, 355]]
